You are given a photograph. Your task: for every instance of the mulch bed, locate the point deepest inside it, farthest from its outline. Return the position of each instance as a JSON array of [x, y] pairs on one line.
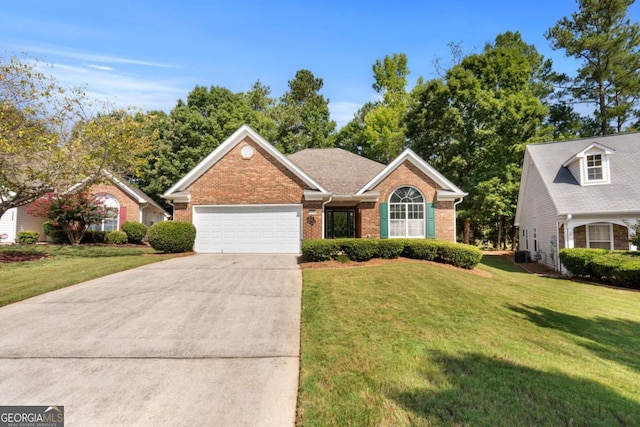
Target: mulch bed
[[6, 257]]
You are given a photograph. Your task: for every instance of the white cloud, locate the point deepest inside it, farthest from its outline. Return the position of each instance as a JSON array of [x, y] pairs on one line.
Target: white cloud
[[100, 67], [93, 57], [342, 112]]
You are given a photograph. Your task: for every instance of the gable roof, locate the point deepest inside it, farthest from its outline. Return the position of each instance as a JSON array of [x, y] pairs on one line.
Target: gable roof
[[622, 194], [135, 193], [238, 136], [339, 171], [448, 189]]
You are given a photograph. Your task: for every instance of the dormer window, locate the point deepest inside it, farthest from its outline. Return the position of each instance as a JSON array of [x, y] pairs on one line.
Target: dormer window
[[594, 167]]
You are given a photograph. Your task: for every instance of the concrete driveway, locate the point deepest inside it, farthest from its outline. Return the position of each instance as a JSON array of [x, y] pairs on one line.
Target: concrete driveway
[[201, 340]]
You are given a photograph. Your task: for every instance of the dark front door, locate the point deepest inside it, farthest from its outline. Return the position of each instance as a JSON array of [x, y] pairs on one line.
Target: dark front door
[[340, 223]]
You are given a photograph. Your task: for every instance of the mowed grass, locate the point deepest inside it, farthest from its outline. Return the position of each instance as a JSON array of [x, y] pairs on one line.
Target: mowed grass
[[62, 266], [418, 344]]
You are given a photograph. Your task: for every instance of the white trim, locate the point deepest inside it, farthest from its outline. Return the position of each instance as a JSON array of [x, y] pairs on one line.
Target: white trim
[[608, 224], [406, 220], [582, 154], [427, 169], [217, 154], [124, 187]]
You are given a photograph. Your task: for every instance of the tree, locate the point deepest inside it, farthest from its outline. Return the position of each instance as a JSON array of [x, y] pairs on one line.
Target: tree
[[302, 116], [73, 212], [601, 36], [50, 138], [474, 126], [377, 131]]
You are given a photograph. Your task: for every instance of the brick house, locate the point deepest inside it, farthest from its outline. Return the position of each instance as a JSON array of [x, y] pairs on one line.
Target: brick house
[[246, 196], [131, 204], [579, 194]]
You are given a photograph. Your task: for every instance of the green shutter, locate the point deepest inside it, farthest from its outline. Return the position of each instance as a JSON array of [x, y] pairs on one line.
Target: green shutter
[[431, 221], [384, 221]]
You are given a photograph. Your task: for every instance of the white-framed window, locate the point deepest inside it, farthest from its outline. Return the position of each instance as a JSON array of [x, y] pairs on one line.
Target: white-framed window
[[600, 236], [406, 213], [110, 223], [595, 171]]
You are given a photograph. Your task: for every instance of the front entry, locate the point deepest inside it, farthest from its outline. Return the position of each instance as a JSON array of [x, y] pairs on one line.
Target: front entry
[[340, 223]]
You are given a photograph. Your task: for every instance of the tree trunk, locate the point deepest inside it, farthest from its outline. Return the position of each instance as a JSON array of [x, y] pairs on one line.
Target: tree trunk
[[604, 128], [467, 230], [499, 233]]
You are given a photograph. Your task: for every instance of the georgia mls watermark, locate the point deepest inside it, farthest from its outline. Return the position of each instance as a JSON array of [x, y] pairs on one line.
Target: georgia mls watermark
[[31, 416]]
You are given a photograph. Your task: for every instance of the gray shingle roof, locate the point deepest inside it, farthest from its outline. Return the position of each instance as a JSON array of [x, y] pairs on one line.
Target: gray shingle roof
[[622, 194], [339, 171]]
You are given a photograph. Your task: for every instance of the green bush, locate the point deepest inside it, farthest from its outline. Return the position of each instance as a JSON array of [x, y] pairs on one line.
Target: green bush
[[420, 249], [360, 249], [28, 237], [579, 261], [390, 248], [458, 254], [628, 274], [135, 231], [316, 250], [115, 237], [94, 236], [55, 233], [172, 236]]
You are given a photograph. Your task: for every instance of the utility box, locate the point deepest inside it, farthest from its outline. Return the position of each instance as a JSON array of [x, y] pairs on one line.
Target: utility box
[[522, 256]]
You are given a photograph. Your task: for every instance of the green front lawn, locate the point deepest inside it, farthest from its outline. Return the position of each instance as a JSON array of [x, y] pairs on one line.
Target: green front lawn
[[63, 265], [411, 343]]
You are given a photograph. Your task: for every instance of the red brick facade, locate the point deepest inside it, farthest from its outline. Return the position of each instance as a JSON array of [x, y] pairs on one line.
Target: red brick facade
[[263, 179], [131, 207]]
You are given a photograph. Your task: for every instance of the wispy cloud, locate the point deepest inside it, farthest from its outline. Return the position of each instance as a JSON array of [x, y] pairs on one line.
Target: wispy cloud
[[342, 112], [92, 57], [100, 67]]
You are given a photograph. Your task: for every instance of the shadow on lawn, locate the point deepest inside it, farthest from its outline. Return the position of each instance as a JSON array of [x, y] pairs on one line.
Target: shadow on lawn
[[613, 339], [477, 390], [500, 262]]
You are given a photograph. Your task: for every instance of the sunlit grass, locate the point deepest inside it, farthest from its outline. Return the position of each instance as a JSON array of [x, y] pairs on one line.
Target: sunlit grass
[[63, 265], [419, 344]]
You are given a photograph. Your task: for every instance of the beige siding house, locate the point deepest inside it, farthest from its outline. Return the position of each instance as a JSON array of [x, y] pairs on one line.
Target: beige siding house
[[581, 193]]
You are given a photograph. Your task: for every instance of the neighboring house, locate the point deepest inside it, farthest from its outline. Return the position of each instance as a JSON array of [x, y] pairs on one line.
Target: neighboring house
[[248, 197], [130, 202], [579, 194]]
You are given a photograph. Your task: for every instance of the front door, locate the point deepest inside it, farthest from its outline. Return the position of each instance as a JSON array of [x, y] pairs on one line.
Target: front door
[[340, 223]]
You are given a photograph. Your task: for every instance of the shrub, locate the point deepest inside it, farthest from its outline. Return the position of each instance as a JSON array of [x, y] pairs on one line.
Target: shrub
[[115, 237], [28, 237], [390, 248], [458, 254], [579, 261], [172, 236], [420, 249], [320, 250], [55, 233], [135, 231], [628, 274], [93, 236], [360, 249]]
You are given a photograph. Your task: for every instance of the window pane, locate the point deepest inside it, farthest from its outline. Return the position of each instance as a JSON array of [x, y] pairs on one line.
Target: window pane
[[415, 228], [396, 228], [599, 232], [600, 245]]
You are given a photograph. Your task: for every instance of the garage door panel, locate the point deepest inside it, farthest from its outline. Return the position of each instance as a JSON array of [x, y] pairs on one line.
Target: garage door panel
[[248, 229]]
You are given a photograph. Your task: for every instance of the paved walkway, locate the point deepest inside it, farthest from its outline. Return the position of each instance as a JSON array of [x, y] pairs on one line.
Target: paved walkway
[[201, 340]]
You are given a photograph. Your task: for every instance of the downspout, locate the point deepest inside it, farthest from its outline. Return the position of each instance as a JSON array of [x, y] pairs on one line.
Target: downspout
[[455, 220], [556, 261], [323, 215]]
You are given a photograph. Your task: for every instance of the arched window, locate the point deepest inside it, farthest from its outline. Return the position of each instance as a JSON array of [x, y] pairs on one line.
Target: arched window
[[110, 223], [406, 213]]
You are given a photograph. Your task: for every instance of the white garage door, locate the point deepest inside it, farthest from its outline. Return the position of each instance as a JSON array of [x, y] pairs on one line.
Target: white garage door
[[248, 229]]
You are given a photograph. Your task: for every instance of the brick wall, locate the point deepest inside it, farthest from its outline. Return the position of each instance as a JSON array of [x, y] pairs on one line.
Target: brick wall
[[620, 237], [261, 179], [132, 206]]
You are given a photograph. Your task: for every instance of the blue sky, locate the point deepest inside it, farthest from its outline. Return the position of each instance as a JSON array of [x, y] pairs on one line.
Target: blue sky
[[150, 54]]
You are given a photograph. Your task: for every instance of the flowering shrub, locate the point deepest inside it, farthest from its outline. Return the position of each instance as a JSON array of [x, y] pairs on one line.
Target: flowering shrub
[[73, 213]]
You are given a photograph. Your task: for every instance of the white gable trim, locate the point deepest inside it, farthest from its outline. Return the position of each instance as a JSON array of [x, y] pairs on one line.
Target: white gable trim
[[452, 191], [124, 187], [603, 148], [217, 154]]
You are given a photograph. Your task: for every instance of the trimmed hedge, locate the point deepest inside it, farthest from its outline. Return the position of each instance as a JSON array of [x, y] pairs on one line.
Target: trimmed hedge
[[135, 231], [456, 254], [115, 237], [172, 236], [618, 268], [28, 237]]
